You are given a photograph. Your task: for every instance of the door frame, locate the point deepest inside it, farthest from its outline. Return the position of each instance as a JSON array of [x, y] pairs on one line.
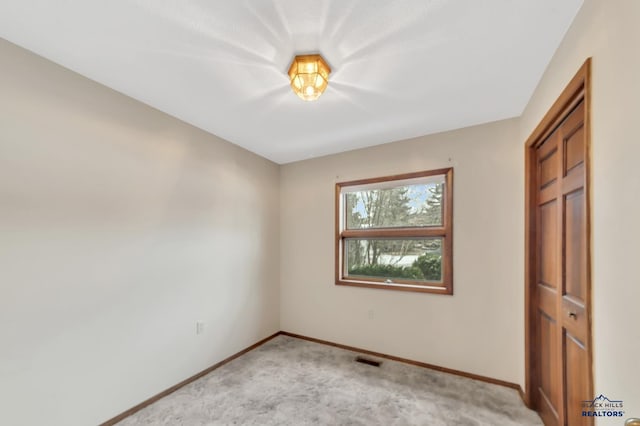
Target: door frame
[[578, 89]]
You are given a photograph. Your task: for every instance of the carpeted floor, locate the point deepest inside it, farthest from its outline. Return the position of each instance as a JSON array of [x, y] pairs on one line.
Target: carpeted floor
[[289, 381]]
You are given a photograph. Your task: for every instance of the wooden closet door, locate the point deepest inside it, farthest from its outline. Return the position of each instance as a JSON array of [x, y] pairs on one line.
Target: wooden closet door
[[574, 307], [548, 275], [563, 326]]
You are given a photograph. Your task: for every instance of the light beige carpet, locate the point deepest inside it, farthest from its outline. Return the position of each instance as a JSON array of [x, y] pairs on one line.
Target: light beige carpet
[[289, 381]]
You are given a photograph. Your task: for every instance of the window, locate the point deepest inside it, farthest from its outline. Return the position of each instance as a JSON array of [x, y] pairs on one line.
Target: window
[[396, 232]]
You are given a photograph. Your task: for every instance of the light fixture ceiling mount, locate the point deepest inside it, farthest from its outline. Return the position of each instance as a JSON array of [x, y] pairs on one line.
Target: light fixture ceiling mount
[[309, 76]]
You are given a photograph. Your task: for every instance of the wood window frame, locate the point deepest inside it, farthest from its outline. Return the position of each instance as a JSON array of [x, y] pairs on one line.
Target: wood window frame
[[445, 232]]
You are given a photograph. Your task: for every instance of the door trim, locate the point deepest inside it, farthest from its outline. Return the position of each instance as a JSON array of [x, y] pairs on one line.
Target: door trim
[[578, 89]]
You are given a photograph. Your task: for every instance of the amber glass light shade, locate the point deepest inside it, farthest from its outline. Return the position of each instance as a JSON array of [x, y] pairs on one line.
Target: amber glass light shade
[[309, 75]]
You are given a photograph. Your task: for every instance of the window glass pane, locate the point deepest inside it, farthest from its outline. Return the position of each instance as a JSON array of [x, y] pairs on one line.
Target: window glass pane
[[400, 259], [400, 206]]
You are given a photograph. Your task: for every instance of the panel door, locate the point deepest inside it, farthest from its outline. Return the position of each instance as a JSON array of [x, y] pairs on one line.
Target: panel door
[[548, 276], [562, 292], [574, 303]]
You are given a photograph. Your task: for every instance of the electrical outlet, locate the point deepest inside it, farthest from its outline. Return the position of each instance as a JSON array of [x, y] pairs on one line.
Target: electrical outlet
[[199, 327]]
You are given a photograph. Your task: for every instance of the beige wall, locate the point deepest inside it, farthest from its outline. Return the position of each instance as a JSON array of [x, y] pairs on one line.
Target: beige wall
[[608, 31], [480, 328], [120, 227]]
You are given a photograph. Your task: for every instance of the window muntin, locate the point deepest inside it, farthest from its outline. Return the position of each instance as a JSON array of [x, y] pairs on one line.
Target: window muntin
[[396, 232]]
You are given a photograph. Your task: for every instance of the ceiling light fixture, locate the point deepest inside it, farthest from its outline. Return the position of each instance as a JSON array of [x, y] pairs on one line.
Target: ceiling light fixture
[[309, 75]]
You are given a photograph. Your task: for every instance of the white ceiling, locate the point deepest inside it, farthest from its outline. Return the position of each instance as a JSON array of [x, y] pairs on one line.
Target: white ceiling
[[401, 68]]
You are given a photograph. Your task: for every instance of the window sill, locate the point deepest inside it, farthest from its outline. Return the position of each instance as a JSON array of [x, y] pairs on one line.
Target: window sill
[[446, 290]]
